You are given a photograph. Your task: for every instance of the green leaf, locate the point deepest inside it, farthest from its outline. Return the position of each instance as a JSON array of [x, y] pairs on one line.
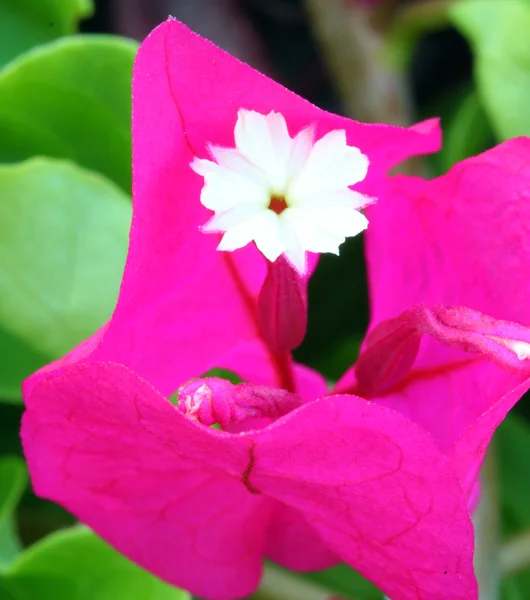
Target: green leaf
[[18, 360], [498, 33], [516, 587], [13, 481], [77, 565], [467, 132], [71, 99], [347, 582], [27, 23], [6, 593], [411, 22], [63, 242]]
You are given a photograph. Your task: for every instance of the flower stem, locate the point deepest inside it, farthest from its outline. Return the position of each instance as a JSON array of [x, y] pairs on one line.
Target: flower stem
[[515, 554], [486, 521], [352, 43]]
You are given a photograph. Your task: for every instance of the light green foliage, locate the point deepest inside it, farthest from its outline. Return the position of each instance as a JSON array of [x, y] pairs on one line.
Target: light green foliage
[[63, 242], [13, 480], [27, 23], [71, 99], [77, 565], [499, 34]]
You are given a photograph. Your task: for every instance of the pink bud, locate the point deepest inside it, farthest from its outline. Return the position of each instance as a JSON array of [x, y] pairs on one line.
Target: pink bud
[[390, 349], [212, 400], [388, 353], [282, 306]]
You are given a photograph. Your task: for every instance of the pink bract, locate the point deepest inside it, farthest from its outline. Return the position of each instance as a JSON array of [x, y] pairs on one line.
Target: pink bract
[[466, 244], [376, 484]]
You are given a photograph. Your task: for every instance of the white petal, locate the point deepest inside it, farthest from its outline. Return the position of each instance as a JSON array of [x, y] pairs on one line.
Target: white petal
[[294, 250], [301, 149], [311, 236], [265, 142], [262, 228], [231, 218], [235, 238], [332, 164], [335, 198], [225, 189], [269, 236], [324, 229], [232, 159], [203, 166]]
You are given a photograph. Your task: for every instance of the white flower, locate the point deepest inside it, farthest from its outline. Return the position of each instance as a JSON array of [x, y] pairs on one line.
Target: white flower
[[288, 195]]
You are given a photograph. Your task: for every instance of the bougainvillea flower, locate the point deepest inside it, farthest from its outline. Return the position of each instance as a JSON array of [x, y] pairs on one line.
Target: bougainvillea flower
[[288, 195], [303, 478]]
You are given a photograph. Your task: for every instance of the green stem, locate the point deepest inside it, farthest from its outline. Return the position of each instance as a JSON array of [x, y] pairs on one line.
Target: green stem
[[486, 521], [515, 554], [351, 44]]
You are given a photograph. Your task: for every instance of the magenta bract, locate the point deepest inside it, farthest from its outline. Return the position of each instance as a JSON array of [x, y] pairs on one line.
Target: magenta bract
[[384, 484]]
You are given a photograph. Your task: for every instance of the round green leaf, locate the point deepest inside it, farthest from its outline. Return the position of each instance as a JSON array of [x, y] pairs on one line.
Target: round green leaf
[[63, 242], [27, 23], [77, 565], [71, 99], [499, 34]]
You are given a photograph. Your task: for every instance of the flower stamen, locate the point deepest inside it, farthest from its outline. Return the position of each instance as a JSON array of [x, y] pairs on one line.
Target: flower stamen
[[277, 204]]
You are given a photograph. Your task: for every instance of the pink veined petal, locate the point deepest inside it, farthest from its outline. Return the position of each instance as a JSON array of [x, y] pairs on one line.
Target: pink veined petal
[[227, 85], [78, 354], [310, 384], [252, 362], [170, 494], [469, 449], [177, 289], [492, 372], [470, 228], [171, 264], [294, 544], [162, 490], [377, 490]]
